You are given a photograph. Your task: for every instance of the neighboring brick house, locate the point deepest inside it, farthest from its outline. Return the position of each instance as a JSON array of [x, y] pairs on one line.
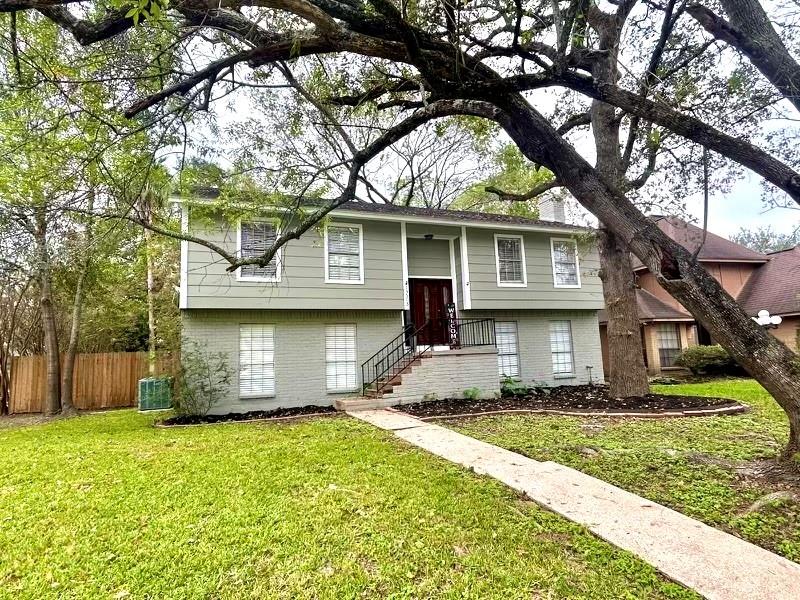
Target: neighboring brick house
[[758, 281], [488, 296]]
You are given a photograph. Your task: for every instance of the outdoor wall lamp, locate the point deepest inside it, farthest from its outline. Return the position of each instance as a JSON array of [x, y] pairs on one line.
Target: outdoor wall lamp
[[428, 236], [768, 322]]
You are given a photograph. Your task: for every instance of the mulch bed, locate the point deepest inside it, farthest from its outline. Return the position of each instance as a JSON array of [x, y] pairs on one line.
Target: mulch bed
[[253, 415], [565, 398]]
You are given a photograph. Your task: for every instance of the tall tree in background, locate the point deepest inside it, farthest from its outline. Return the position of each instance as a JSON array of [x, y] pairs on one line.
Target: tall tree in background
[[766, 239]]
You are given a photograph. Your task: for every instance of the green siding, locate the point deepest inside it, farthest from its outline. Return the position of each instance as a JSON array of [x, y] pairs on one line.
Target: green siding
[[428, 258], [540, 292], [302, 282]]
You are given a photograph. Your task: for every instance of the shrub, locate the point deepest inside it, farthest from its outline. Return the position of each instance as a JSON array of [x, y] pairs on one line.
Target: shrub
[[204, 380], [708, 360], [472, 393]]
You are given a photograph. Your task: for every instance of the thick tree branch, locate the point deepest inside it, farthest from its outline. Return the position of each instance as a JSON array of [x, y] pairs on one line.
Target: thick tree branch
[[530, 194], [752, 34]]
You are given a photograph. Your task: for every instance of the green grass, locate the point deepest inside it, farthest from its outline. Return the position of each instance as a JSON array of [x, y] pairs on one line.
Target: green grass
[[659, 459], [106, 506]]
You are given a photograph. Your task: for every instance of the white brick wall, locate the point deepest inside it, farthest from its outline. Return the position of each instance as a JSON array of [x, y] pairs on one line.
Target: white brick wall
[[448, 374], [300, 352], [299, 349], [533, 328]]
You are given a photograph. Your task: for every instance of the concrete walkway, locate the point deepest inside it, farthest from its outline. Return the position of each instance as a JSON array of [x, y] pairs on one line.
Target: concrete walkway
[[715, 564]]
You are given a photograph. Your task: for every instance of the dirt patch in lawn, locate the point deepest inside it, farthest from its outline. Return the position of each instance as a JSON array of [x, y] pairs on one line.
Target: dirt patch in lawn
[[567, 398], [253, 415]]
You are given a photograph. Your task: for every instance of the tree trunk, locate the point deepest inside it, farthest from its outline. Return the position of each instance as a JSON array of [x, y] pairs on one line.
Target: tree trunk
[[67, 401], [52, 403], [768, 360], [147, 210], [626, 370]]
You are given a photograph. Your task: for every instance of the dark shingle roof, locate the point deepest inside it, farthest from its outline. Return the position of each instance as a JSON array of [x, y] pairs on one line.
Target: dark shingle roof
[[714, 249], [650, 308], [456, 216], [774, 286], [453, 215]]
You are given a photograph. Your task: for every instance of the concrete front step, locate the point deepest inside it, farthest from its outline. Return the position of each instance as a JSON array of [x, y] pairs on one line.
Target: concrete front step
[[363, 403]]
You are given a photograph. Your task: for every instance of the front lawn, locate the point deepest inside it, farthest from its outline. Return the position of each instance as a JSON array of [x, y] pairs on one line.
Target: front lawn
[[106, 506], [710, 468]]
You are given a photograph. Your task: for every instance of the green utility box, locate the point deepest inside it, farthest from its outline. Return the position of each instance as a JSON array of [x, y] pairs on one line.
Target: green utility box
[[155, 393]]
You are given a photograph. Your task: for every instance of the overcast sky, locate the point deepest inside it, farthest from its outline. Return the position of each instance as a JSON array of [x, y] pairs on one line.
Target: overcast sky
[[743, 207]]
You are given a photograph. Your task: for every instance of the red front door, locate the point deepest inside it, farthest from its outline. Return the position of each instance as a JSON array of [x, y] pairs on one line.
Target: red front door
[[429, 300]]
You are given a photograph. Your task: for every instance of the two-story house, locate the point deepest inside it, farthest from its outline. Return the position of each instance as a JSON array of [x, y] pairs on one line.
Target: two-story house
[[757, 281], [404, 303]]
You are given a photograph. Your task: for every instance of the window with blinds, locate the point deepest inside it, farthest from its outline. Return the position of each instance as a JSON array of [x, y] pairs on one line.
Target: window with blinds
[[669, 343], [344, 259], [561, 347], [507, 348], [565, 263], [510, 256], [254, 239], [256, 360], [340, 358]]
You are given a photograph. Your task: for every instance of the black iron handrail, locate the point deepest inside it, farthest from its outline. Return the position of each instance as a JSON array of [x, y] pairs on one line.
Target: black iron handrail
[[466, 333], [391, 360]]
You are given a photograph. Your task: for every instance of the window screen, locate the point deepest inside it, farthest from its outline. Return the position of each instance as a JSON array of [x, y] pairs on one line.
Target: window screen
[[256, 360], [565, 263], [344, 253], [509, 260], [669, 343], [340, 358], [561, 347], [507, 348], [256, 238]]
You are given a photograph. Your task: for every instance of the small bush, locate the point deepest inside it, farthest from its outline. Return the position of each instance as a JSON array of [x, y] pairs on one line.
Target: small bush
[[204, 380], [708, 360], [472, 393]]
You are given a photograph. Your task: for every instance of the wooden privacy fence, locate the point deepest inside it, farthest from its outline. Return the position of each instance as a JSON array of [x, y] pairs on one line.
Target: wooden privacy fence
[[103, 380]]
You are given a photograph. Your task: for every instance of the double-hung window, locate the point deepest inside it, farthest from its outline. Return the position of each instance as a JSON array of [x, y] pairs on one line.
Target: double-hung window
[[340, 358], [256, 361], [344, 253], [561, 348], [566, 273], [255, 238], [510, 259], [507, 348], [669, 343]]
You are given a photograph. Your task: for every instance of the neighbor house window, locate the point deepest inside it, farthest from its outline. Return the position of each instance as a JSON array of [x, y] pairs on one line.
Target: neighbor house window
[[344, 254], [669, 343], [256, 360], [561, 347], [507, 348], [340, 358], [254, 240], [510, 257], [565, 263]]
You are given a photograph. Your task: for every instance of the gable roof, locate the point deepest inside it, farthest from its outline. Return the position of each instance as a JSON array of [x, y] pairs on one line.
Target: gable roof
[[650, 308], [774, 286], [715, 248]]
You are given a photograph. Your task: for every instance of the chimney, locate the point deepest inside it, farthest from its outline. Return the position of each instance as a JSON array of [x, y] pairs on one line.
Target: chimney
[[552, 209]]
